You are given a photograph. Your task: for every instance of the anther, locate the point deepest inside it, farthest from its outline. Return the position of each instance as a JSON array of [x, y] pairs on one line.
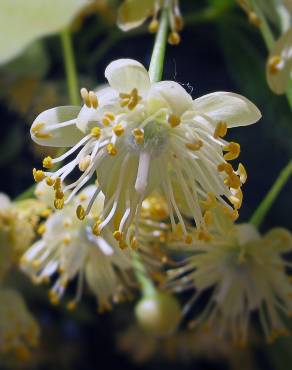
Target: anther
[[273, 64], [138, 134], [118, 130], [174, 38], [233, 150], [41, 229], [47, 162], [153, 26], [84, 163], [195, 145], [111, 149], [38, 175], [220, 130], [96, 229], [93, 99], [118, 235], [59, 203], [174, 120], [95, 132], [134, 243], [80, 212], [85, 96], [188, 239], [208, 218], [50, 181], [59, 194], [254, 19], [241, 171]]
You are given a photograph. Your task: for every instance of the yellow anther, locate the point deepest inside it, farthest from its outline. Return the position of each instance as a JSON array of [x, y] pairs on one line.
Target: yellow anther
[[44, 135], [174, 120], [195, 145], [80, 212], [37, 127], [46, 213], [84, 163], [188, 239], [254, 19], [118, 130], [38, 175], [220, 130], [95, 132], [231, 213], [203, 235], [93, 99], [233, 181], [111, 149], [174, 38], [67, 239], [118, 235], [123, 244], [50, 181], [273, 64], [57, 184], [59, 203], [225, 167], [236, 199], [134, 243], [210, 202], [241, 171], [96, 229], [130, 100], [47, 162], [41, 229], [59, 194], [110, 116], [138, 134], [178, 23], [53, 296], [153, 26], [85, 96], [71, 305], [233, 150], [208, 218], [155, 207]]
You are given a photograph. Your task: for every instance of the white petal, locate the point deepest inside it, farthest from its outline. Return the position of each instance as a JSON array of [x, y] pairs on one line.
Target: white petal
[[60, 137], [88, 117], [279, 80], [232, 108], [126, 74], [5, 202], [174, 94], [132, 13], [22, 22]]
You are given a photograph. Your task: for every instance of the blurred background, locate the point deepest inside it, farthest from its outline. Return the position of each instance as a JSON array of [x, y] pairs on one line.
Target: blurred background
[[220, 51]]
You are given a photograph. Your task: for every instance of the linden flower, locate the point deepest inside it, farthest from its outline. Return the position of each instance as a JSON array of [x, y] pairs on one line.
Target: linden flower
[[69, 247], [133, 13], [246, 272], [19, 332], [140, 136], [279, 64]]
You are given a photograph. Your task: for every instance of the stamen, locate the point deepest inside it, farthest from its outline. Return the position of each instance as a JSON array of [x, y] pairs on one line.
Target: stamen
[[233, 181], [138, 134], [111, 149], [195, 145], [220, 130], [236, 199], [50, 181], [118, 130], [208, 218], [95, 132], [108, 118], [226, 167], [174, 120], [80, 212], [85, 96], [174, 38], [47, 162], [59, 203], [153, 26], [241, 171], [96, 229], [84, 163], [38, 175], [254, 19], [210, 202], [93, 99], [233, 150], [118, 235], [274, 64]]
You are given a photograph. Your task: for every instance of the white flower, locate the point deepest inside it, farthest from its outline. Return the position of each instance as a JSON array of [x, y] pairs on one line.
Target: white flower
[[68, 247], [22, 22], [246, 272], [19, 332], [140, 136]]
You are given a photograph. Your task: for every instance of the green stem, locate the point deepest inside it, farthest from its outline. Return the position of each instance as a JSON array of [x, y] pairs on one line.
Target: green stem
[[70, 67], [158, 54], [265, 205], [146, 284]]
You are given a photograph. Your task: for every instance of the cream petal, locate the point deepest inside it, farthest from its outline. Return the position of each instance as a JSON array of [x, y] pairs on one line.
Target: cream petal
[[132, 13], [88, 117], [232, 108], [66, 136], [126, 74], [279, 79], [174, 94], [23, 22]]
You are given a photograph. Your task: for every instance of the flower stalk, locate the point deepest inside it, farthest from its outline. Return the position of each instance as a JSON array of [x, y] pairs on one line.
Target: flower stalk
[[264, 207]]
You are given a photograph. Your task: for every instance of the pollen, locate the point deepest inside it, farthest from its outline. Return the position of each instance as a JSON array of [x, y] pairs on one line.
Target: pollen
[[50, 181], [241, 171], [84, 163], [59, 194], [37, 127], [236, 199], [174, 38], [119, 130], [47, 162], [273, 64], [220, 130], [195, 145], [225, 167], [59, 203], [96, 229], [41, 229], [153, 26], [95, 132], [233, 181], [174, 120], [138, 134], [118, 235], [111, 149], [80, 212], [108, 118], [233, 150], [130, 100], [38, 175]]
